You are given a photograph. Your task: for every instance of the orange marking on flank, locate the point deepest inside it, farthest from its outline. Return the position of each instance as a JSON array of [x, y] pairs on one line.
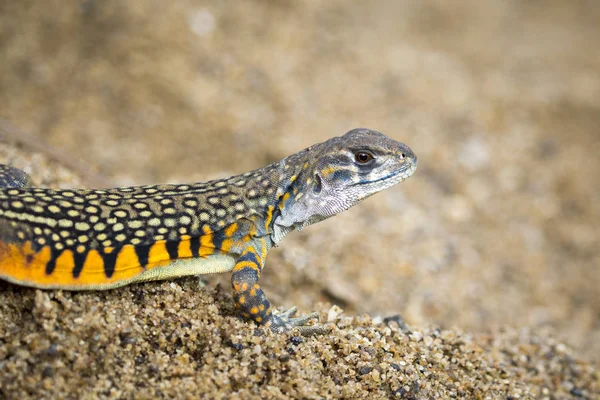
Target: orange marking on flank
[[62, 275], [19, 263], [207, 246], [65, 261], [184, 249], [127, 265], [228, 242], [226, 245], [92, 272], [158, 254]]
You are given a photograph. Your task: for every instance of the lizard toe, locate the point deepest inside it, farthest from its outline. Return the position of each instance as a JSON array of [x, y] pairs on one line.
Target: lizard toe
[[284, 322]]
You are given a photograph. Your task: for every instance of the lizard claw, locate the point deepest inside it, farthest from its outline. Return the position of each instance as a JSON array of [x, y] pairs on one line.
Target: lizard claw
[[284, 322]]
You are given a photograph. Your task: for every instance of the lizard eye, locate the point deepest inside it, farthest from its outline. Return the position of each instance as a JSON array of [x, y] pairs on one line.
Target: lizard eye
[[363, 157]]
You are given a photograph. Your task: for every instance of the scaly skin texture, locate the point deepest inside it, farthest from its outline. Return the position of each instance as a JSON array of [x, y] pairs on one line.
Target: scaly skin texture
[[101, 239], [12, 177]]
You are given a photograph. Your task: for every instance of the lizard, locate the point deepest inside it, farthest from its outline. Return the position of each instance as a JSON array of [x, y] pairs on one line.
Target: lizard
[[96, 239]]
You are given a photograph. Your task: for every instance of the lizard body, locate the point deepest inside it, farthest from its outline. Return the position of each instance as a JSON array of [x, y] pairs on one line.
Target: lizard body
[[88, 239]]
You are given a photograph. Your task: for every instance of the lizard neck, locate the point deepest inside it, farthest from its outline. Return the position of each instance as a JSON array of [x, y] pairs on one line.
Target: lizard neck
[[294, 183]]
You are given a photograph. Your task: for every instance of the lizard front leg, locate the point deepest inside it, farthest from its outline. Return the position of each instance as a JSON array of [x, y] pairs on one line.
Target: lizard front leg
[[252, 301]]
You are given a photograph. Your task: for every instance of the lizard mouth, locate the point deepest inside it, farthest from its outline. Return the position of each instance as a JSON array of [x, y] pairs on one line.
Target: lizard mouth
[[394, 177]]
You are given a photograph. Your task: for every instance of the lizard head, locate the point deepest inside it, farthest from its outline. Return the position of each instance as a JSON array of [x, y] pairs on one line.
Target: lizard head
[[360, 164], [339, 173]]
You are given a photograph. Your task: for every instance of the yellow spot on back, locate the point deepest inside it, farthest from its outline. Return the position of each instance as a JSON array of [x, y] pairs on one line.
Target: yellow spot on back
[[154, 222]]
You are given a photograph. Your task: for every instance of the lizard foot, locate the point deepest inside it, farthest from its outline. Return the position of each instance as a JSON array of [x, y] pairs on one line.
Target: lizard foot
[[284, 322]]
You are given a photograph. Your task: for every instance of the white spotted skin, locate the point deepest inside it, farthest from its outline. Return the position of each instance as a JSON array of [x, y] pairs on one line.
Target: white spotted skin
[[132, 215]]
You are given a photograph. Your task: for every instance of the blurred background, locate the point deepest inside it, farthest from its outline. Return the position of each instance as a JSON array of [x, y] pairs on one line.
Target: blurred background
[[500, 100]]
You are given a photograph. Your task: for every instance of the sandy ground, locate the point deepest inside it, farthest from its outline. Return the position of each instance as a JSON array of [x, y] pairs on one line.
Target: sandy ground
[[489, 252]]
